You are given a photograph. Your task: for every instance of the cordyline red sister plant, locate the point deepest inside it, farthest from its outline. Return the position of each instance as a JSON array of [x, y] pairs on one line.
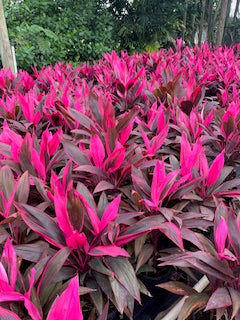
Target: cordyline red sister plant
[[96, 162]]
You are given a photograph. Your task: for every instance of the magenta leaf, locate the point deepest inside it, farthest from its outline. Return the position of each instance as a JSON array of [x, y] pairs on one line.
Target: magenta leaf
[[32, 309], [67, 305], [111, 212], [76, 240], [97, 151], [60, 203], [220, 235], [108, 250], [115, 160], [10, 257], [215, 169], [157, 182], [10, 296]]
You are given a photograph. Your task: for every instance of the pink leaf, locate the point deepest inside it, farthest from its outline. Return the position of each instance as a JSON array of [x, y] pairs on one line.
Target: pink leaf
[[32, 309], [3, 273], [215, 169], [67, 305], [9, 255], [10, 296], [125, 133], [38, 165], [203, 165], [157, 182], [220, 235], [97, 151], [60, 203], [96, 223], [26, 108], [158, 140], [111, 212], [185, 148], [114, 161], [31, 283], [161, 119], [227, 255], [188, 156], [146, 141], [76, 240], [110, 250], [53, 143]]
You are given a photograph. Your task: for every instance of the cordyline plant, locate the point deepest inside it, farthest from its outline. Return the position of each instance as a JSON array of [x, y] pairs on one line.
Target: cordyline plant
[[96, 162], [219, 261]]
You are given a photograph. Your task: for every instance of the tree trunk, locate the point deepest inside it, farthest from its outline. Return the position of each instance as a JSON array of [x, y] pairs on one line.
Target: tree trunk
[[193, 22], [214, 22], [222, 20], [185, 19], [235, 19], [210, 20], [6, 55], [201, 22], [227, 22]]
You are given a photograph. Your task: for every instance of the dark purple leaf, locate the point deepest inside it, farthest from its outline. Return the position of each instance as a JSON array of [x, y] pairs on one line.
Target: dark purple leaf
[[125, 274], [75, 153], [120, 294], [23, 189], [42, 224], [52, 268], [104, 314]]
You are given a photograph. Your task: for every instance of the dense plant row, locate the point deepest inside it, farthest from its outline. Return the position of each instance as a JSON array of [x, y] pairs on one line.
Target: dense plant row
[[98, 161]]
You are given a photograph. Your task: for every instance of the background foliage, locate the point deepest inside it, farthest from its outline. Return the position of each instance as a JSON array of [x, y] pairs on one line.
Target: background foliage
[[46, 32]]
